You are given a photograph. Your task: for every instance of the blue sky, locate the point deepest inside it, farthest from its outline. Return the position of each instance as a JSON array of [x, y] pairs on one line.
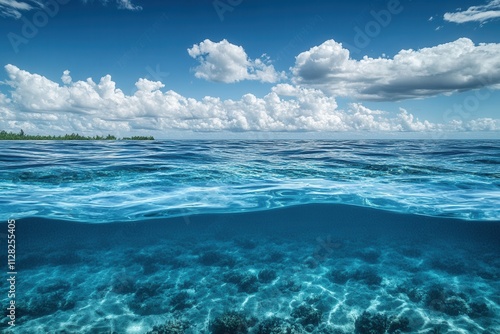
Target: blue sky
[[241, 66]]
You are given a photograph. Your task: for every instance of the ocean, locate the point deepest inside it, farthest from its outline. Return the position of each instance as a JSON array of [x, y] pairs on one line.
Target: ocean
[[265, 237]]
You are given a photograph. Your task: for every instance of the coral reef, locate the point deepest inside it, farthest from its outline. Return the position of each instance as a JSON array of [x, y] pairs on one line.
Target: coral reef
[[267, 275], [49, 300], [398, 325], [368, 323], [306, 315], [477, 310], [448, 302], [230, 323], [290, 286], [147, 299], [213, 258], [245, 282], [275, 325], [379, 323], [170, 327], [367, 276], [181, 301]]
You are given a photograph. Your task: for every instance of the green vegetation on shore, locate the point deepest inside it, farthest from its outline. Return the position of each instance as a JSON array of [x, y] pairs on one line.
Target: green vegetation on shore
[[4, 135]]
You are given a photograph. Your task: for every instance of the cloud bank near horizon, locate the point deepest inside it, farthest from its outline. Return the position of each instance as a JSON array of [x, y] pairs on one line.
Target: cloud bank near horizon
[[40, 105]]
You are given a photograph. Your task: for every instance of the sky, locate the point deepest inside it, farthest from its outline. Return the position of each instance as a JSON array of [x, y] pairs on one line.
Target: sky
[[251, 68]]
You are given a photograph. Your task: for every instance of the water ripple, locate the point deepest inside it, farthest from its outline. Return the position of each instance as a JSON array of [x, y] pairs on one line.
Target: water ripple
[[117, 181]]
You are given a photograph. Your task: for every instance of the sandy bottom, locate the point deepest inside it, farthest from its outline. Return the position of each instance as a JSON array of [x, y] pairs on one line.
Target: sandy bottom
[[307, 282]]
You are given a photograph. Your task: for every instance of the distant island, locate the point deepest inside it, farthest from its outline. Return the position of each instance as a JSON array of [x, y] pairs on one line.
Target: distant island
[[4, 135]]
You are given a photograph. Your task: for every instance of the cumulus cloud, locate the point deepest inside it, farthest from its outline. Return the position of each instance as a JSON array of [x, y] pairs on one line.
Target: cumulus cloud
[[66, 78], [446, 68], [39, 105], [482, 14], [226, 62]]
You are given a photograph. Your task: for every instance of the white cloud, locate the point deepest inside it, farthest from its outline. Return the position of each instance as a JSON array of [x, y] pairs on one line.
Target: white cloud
[[127, 4], [482, 14], [121, 4], [66, 78], [481, 124], [226, 62], [15, 8], [446, 68], [39, 105]]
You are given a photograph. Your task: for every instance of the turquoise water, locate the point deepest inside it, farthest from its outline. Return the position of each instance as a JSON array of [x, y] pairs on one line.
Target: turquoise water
[[98, 182], [263, 236]]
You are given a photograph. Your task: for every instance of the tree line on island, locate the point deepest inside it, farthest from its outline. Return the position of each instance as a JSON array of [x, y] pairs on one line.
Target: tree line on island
[[4, 135]]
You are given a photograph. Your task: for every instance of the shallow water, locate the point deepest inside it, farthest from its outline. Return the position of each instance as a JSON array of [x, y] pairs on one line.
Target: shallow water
[[313, 233]]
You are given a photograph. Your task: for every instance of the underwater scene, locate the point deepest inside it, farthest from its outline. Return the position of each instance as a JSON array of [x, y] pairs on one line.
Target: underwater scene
[[259, 237]]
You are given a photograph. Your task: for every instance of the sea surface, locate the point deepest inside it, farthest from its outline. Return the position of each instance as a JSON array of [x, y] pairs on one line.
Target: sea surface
[[264, 237]]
